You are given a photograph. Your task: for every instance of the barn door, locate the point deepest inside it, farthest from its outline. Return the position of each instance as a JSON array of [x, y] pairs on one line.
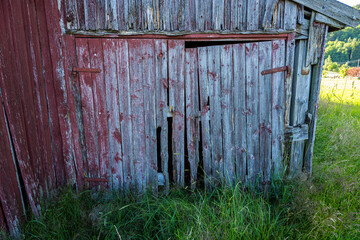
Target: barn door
[[123, 110], [238, 116]]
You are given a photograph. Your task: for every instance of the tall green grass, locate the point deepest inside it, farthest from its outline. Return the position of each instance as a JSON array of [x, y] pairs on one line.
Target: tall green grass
[[326, 206]]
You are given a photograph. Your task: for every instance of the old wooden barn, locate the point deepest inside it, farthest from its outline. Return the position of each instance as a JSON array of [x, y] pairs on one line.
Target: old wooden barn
[[137, 94]]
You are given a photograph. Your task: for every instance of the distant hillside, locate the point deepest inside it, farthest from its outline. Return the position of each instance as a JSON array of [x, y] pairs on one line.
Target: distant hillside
[[344, 46]]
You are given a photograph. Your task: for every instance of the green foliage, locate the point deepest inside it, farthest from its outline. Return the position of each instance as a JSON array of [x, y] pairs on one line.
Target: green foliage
[[329, 65], [343, 70]]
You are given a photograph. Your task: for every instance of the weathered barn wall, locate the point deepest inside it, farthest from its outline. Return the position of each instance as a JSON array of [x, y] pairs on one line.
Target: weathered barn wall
[[173, 16], [160, 94]]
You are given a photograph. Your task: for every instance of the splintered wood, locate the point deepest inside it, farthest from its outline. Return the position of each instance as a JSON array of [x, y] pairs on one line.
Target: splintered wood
[[158, 107]]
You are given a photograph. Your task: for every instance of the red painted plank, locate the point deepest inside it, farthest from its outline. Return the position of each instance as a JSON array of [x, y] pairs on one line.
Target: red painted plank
[[10, 196], [74, 103], [57, 50], [177, 100], [13, 102], [2, 221], [113, 112], [227, 106], [205, 115], [215, 94], [240, 111], [150, 114], [125, 113], [162, 107], [88, 109], [99, 90], [137, 109], [192, 112], [50, 94], [43, 128], [252, 118]]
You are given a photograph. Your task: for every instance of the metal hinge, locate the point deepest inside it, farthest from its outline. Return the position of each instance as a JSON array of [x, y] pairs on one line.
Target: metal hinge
[[275, 70], [76, 70]]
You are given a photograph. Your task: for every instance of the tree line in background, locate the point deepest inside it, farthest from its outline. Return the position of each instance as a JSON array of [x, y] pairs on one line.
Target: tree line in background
[[343, 50]]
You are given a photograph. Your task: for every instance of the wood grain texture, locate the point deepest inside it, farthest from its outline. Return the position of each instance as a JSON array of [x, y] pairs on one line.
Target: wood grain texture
[[192, 112], [227, 105], [265, 97], [176, 102], [162, 107], [240, 111], [278, 107], [205, 115]]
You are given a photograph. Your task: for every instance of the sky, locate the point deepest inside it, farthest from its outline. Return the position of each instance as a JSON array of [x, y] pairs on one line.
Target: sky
[[350, 2]]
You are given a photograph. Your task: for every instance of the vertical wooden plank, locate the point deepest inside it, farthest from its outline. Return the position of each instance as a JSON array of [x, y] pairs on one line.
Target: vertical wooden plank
[[265, 84], [203, 15], [41, 114], [214, 79], [111, 14], [252, 15], [100, 107], [100, 14], [10, 195], [162, 105], [135, 18], [88, 103], [177, 101], [252, 104], [290, 15], [71, 14], [137, 108], [278, 109], [314, 105], [205, 115], [74, 103], [150, 113], [12, 101], [270, 13], [81, 14], [90, 14], [192, 112], [227, 106], [165, 14], [57, 49], [123, 14], [218, 10], [148, 15], [240, 111], [113, 111], [125, 112], [189, 17], [53, 114]]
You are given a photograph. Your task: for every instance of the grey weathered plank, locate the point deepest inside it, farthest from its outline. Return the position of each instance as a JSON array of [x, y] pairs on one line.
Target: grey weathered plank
[[125, 112], [315, 42], [265, 86], [334, 9], [328, 21], [300, 13], [189, 15], [297, 133], [162, 105], [137, 113], [111, 14], [227, 105], [252, 15], [205, 114], [252, 104], [313, 107], [215, 93], [218, 8], [267, 21], [113, 111], [290, 15], [290, 57], [149, 113], [177, 100], [278, 106], [240, 111], [192, 112]]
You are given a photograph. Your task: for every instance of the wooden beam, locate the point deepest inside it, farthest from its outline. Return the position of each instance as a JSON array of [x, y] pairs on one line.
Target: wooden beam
[[335, 10], [297, 133], [328, 21]]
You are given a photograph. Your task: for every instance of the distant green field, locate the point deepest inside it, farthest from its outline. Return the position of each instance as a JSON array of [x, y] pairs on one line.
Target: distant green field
[[326, 206]]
